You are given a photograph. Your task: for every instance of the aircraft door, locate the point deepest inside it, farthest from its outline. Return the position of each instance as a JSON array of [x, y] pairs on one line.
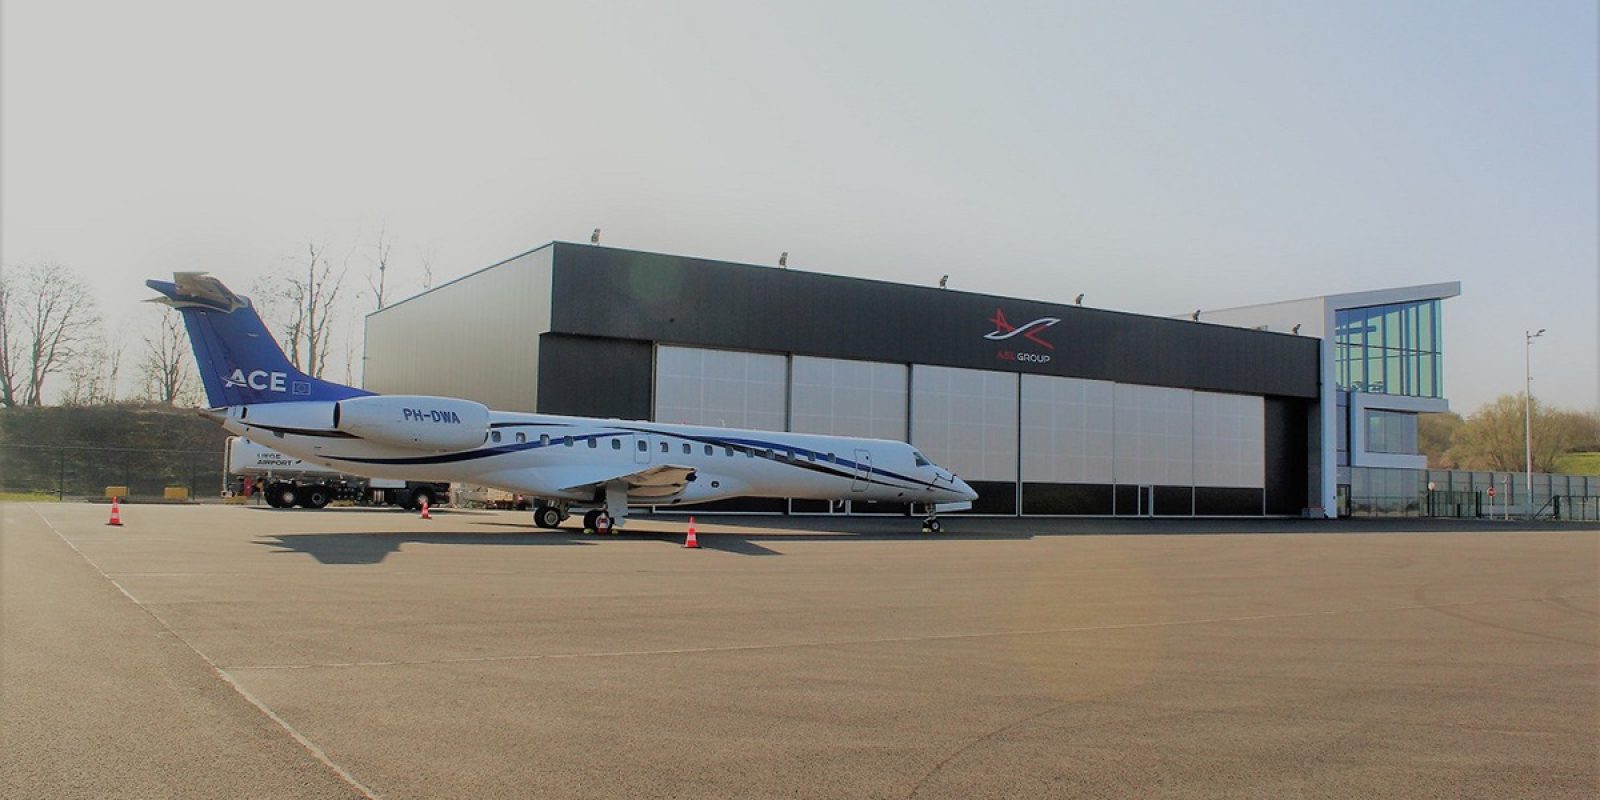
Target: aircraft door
[[641, 448], [863, 472]]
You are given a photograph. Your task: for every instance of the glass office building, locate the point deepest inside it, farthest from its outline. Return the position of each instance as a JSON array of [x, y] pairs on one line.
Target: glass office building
[[1382, 365]]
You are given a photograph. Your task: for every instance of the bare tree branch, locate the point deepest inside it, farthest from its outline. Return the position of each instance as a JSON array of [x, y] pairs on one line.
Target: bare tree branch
[[9, 348], [306, 300], [55, 319], [165, 368], [93, 371], [427, 270], [383, 246]]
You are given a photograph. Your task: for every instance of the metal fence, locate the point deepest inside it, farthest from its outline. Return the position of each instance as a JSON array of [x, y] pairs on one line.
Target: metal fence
[[1582, 509], [1468, 493], [1511, 495], [69, 471]]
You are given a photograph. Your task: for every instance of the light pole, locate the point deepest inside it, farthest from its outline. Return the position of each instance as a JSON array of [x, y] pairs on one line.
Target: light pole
[[1527, 411]]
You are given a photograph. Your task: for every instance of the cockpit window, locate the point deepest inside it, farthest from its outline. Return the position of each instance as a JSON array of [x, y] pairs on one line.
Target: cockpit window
[[921, 462]]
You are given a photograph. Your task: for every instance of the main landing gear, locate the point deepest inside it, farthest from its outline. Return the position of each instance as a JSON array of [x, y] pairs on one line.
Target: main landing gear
[[597, 521], [608, 518], [547, 516]]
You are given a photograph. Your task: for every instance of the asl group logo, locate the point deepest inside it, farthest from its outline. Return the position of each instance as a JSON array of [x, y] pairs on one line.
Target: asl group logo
[[1032, 331]]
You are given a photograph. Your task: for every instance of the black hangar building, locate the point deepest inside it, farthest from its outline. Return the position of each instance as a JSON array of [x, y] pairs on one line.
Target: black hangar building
[[1045, 409]]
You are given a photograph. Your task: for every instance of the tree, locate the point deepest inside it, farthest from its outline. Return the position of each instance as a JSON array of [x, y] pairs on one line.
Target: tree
[[93, 372], [9, 351], [383, 247], [1435, 437], [427, 271], [1493, 437], [48, 318], [165, 370], [306, 301]]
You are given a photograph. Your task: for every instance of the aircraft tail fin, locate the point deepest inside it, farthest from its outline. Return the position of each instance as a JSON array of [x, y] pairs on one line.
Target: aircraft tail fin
[[238, 360]]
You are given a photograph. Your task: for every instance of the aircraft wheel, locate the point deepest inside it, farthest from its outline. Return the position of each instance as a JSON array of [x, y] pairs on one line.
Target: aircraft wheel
[[589, 518], [547, 517], [602, 524], [288, 495], [274, 495], [931, 525], [316, 497]]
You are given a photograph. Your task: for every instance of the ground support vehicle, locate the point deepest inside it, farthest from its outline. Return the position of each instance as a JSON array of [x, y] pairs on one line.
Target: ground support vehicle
[[286, 482]]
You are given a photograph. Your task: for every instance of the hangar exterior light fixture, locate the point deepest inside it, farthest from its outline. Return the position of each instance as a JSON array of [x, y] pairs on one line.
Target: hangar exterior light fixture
[[783, 259], [1297, 329], [1079, 301], [943, 281], [1195, 316], [594, 238]]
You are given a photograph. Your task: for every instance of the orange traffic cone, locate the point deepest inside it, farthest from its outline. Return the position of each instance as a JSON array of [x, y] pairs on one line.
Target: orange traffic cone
[[691, 542], [425, 514], [116, 513]]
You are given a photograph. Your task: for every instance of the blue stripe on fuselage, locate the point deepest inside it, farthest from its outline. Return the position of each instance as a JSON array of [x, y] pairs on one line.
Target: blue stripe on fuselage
[[845, 467]]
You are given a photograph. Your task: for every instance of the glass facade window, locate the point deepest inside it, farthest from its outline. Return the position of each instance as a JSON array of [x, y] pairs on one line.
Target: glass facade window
[[1393, 349], [1391, 432], [1386, 492]]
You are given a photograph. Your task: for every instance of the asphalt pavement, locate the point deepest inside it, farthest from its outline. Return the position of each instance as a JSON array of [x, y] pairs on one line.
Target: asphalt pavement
[[222, 651]]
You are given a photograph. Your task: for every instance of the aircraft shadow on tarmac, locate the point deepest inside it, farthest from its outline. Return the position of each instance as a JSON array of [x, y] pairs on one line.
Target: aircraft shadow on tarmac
[[372, 547]]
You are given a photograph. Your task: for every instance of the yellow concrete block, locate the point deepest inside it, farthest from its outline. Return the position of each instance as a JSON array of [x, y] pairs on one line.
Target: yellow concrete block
[[175, 493], [117, 491]]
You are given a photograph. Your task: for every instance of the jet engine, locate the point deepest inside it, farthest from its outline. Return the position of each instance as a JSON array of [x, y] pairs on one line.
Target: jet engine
[[425, 423]]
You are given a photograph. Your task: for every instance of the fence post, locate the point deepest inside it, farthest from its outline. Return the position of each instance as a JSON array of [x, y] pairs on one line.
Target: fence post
[[61, 476]]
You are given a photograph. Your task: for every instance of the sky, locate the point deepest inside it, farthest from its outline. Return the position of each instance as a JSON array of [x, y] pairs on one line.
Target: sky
[[1156, 156]]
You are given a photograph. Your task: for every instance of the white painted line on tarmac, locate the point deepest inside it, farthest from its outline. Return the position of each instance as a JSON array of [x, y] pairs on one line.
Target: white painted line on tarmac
[[299, 738], [933, 637]]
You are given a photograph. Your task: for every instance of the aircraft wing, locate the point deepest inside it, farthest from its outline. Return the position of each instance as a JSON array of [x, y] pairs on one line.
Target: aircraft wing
[[659, 481]]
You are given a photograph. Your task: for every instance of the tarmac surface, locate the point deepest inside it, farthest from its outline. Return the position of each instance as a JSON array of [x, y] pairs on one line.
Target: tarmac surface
[[223, 651]]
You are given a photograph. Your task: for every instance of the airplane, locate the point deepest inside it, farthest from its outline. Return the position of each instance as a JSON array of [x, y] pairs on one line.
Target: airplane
[[603, 466]]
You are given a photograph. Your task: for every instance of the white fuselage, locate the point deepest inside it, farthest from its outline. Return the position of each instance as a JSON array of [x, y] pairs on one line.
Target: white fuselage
[[567, 458]]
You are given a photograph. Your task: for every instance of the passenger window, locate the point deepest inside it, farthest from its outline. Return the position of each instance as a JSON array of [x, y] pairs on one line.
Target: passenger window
[[643, 445], [812, 457], [593, 443], [708, 449], [567, 441], [521, 437], [665, 448], [616, 444], [730, 451], [494, 436], [686, 450], [544, 439]]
